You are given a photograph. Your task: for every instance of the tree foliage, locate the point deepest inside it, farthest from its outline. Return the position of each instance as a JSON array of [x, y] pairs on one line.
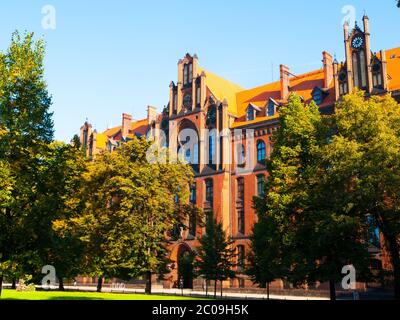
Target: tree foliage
[[216, 254], [308, 230], [130, 207]]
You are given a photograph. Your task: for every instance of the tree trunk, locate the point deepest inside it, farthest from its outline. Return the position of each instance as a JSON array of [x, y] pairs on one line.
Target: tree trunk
[[206, 288], [332, 290], [148, 282], [267, 290], [222, 284], [99, 284], [14, 284], [61, 284], [1, 284], [395, 259], [215, 289]]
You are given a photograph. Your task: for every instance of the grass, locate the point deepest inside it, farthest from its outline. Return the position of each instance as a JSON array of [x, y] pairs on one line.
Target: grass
[[68, 295]]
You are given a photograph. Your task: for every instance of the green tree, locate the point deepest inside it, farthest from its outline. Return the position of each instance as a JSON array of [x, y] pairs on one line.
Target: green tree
[[215, 256], [265, 260], [315, 234], [364, 157], [62, 180], [130, 207], [6, 187], [27, 129]]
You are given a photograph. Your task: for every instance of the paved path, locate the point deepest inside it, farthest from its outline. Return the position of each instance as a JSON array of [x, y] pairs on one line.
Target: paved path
[[195, 293]]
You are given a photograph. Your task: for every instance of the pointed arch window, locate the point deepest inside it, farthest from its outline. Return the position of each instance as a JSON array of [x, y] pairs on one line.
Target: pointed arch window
[[359, 69]]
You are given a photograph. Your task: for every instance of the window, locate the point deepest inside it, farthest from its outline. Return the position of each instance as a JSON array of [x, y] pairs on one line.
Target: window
[[240, 221], [261, 152], [261, 185], [240, 190], [185, 74], [198, 95], [359, 70], [317, 96], [374, 233], [250, 113], [209, 190], [377, 75], [187, 101], [342, 83], [241, 161], [211, 149], [193, 194], [241, 257], [175, 101], [190, 75], [271, 109]]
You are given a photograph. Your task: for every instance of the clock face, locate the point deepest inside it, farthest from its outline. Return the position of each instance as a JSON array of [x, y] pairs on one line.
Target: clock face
[[357, 42]]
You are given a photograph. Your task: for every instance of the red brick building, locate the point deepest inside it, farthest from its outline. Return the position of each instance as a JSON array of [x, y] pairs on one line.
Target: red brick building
[[233, 127]]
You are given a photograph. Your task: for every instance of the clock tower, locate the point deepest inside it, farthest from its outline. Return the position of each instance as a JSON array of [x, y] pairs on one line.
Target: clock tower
[[362, 69]]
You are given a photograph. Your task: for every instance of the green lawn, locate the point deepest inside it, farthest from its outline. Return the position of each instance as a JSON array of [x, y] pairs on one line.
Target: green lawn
[[58, 295]]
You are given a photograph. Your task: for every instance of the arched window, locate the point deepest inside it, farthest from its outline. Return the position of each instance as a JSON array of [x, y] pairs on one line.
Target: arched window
[[261, 152], [359, 69]]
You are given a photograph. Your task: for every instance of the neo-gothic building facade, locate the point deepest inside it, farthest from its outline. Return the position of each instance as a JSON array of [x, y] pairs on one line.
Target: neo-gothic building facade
[[201, 100]]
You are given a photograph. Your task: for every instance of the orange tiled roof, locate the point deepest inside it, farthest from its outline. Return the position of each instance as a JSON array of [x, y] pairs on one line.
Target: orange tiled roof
[[303, 85], [140, 127], [112, 131], [223, 89], [393, 67]]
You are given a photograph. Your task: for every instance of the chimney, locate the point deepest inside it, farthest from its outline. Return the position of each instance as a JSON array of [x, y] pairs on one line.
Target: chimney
[[284, 82], [328, 69], [126, 124], [151, 114]]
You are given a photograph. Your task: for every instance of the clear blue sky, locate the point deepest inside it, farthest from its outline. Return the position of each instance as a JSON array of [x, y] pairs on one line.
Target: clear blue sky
[[109, 57]]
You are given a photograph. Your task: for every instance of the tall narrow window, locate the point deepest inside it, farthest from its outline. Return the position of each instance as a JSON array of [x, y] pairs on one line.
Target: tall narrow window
[[185, 74], [190, 73], [209, 190], [356, 70], [240, 221], [240, 190], [241, 257], [343, 83], [211, 149], [261, 185], [359, 70], [261, 152], [241, 156], [175, 101], [363, 70], [193, 194], [198, 95]]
